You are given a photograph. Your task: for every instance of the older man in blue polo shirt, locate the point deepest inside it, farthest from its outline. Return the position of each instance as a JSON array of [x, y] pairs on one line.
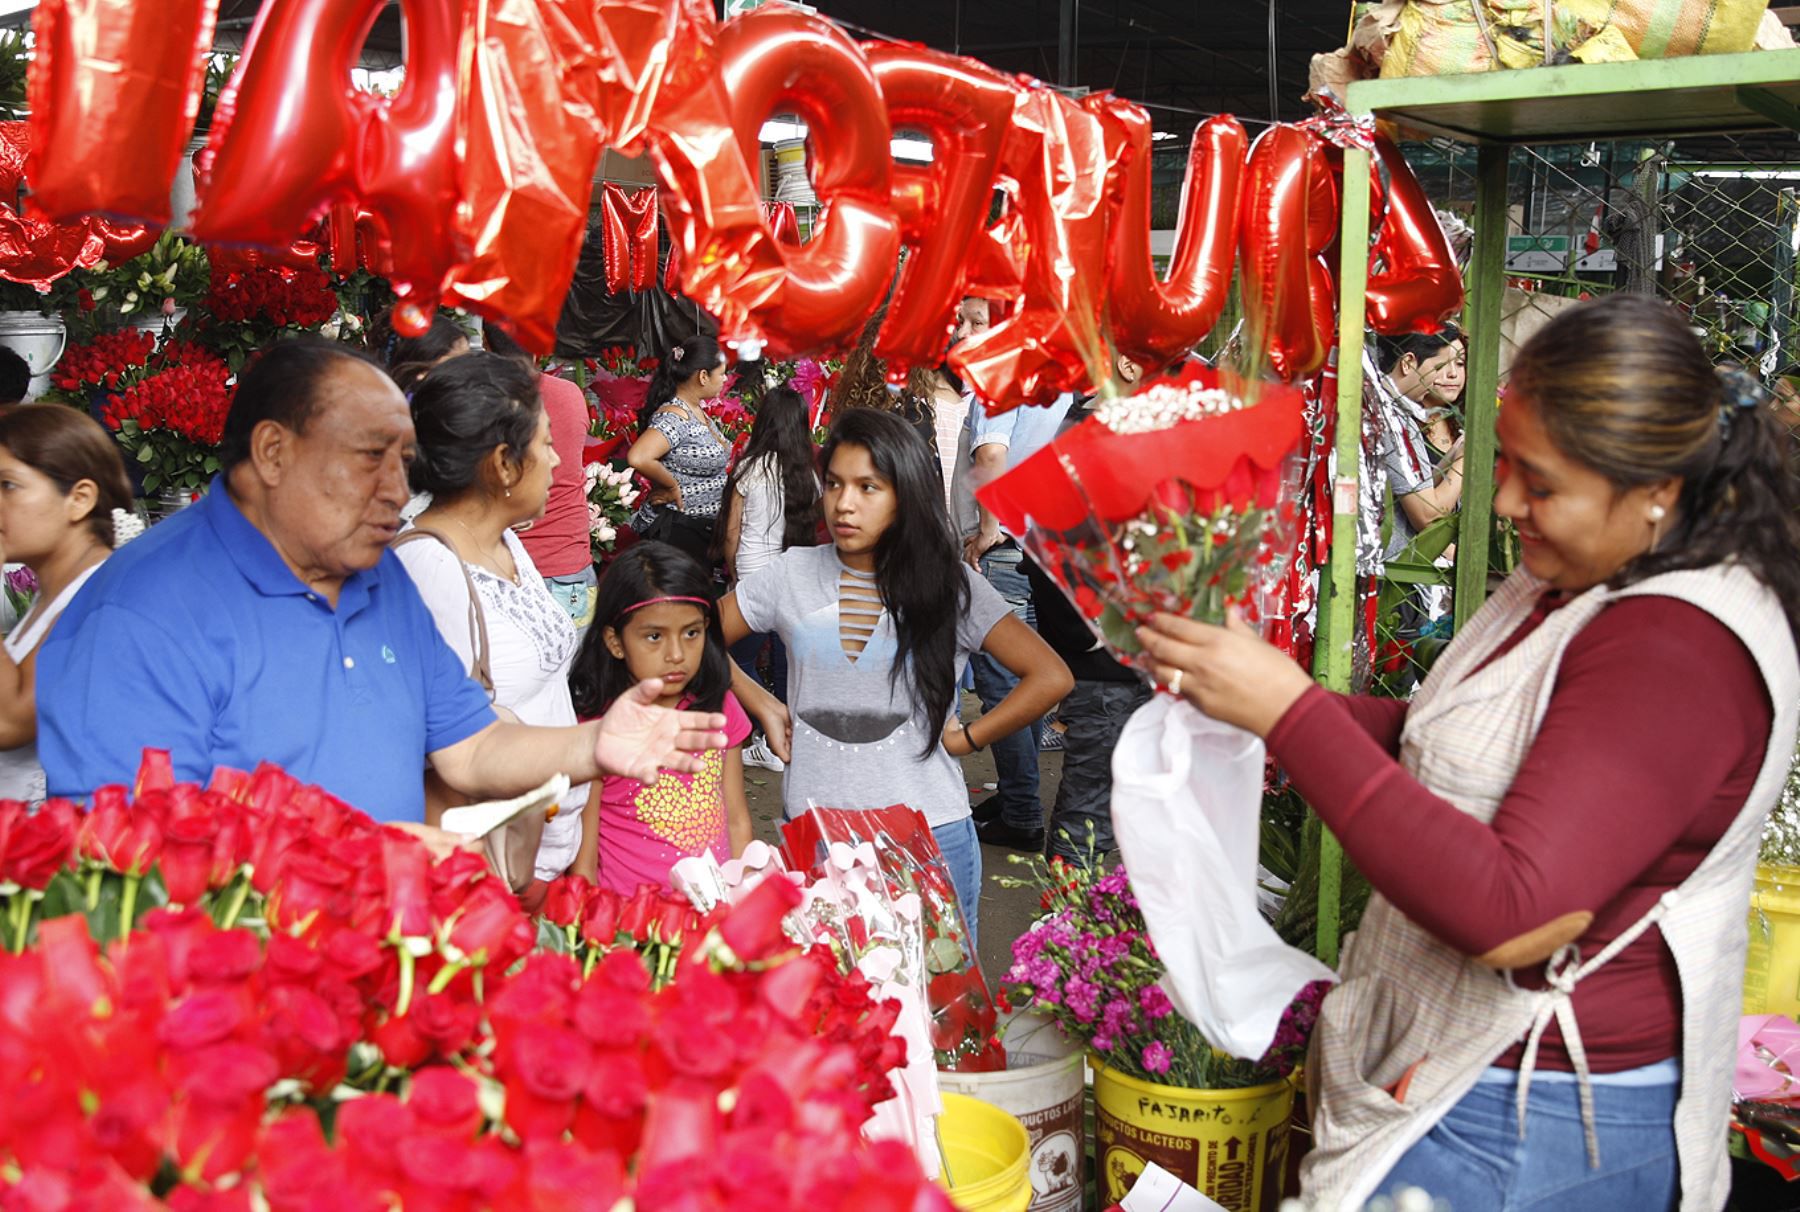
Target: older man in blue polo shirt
[[271, 622]]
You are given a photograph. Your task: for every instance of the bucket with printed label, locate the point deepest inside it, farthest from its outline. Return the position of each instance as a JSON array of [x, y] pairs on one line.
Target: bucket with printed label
[[1231, 1145], [1043, 1084]]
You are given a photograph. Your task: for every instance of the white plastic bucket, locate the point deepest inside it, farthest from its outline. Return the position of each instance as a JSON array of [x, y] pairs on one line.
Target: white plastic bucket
[[158, 325], [1044, 1085], [39, 339]]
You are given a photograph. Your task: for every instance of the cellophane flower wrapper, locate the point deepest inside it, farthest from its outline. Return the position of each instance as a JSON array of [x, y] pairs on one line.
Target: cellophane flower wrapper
[[964, 1018], [1176, 499]]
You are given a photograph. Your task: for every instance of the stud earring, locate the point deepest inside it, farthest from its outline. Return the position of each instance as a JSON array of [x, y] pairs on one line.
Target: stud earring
[[1658, 513]]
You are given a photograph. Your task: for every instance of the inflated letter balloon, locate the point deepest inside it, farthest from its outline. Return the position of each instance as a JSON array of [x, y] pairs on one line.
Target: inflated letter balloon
[[966, 109], [645, 44], [532, 140], [783, 221], [628, 247], [798, 299], [1289, 219], [293, 135], [1418, 286], [115, 87], [1060, 155], [1156, 322]]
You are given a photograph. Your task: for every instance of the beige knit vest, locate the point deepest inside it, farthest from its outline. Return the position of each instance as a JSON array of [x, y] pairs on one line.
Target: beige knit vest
[[1408, 1002]]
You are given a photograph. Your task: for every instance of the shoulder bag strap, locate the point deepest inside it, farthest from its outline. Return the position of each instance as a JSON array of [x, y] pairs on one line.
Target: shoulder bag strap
[[479, 669]]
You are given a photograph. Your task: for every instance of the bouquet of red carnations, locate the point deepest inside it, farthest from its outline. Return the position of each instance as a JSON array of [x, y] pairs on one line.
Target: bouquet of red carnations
[[1171, 499]]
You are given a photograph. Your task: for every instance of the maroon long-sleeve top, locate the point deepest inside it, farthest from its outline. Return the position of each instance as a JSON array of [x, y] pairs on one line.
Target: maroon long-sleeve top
[[1654, 735]]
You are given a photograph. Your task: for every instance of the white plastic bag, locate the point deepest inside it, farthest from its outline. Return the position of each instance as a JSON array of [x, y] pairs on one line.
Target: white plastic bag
[[1187, 803]]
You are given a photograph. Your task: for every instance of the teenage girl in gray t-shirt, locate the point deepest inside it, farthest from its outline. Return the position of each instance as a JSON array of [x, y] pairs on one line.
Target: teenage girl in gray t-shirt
[[878, 628]]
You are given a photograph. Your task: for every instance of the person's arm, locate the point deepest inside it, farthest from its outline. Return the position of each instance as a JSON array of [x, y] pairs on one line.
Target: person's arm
[[1434, 500], [734, 532], [990, 461], [587, 858], [1044, 681], [1650, 714], [768, 711], [18, 700], [635, 738], [737, 807], [646, 458]]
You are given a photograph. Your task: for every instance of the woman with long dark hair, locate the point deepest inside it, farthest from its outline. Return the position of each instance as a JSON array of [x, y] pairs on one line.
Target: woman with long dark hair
[[1545, 1013], [771, 504], [680, 450], [879, 625]]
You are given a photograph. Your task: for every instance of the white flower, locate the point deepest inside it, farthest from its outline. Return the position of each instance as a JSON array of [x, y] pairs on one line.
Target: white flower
[[605, 533], [329, 329]]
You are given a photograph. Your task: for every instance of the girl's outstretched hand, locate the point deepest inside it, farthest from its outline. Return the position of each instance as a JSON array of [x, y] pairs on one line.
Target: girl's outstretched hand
[[1228, 672], [638, 739]]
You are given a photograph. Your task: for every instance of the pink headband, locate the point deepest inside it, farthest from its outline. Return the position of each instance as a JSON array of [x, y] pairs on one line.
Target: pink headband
[[703, 603]]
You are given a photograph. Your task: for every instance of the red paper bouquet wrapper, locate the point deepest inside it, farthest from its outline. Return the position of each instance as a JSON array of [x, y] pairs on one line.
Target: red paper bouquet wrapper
[[1173, 499]]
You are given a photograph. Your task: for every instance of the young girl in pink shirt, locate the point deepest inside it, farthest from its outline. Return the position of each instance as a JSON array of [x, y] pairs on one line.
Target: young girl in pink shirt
[[654, 618]]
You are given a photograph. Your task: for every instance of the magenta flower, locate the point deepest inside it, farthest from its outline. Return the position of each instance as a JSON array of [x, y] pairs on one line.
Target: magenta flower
[[1157, 1057]]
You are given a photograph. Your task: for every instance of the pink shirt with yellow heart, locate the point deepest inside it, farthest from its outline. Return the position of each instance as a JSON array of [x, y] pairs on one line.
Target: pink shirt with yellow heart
[[646, 830]]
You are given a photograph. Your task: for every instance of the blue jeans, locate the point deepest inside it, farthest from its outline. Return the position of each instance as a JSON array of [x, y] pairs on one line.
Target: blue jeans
[[576, 593], [1474, 1158], [1093, 716], [748, 650], [962, 854], [1015, 756]]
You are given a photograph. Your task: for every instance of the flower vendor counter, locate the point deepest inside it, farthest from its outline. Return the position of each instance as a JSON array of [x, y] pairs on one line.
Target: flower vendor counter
[[1702, 95]]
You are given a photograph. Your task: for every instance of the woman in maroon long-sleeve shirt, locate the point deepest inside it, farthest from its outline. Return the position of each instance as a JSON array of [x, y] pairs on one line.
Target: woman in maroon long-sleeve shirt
[[1624, 458]]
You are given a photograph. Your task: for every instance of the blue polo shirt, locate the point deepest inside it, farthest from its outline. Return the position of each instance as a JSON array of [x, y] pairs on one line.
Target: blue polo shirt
[[198, 638]]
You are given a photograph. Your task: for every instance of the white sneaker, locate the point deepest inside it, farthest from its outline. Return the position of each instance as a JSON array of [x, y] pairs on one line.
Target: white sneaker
[[757, 753]]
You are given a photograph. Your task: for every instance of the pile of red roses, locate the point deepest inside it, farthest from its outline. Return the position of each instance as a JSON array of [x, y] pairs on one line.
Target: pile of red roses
[[108, 360], [278, 295], [172, 418], [189, 396], [212, 1054]]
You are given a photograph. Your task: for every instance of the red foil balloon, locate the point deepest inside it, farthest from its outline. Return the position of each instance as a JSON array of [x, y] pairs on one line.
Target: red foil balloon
[[1288, 220], [783, 221], [532, 138], [799, 299], [37, 253], [1154, 322], [645, 44], [115, 87], [294, 135], [1060, 156], [125, 240], [1418, 286], [966, 110], [628, 234]]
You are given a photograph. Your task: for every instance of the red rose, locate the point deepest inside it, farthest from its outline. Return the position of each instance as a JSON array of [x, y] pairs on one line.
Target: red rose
[[600, 918], [753, 928], [308, 1037], [222, 1105], [569, 1178], [611, 1016], [567, 897], [406, 865], [545, 1068], [40, 845], [446, 1023], [485, 925], [445, 1103]]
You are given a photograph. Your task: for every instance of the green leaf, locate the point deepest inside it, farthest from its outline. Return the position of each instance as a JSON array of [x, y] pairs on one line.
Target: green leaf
[[145, 454], [211, 464], [152, 482], [1119, 632]]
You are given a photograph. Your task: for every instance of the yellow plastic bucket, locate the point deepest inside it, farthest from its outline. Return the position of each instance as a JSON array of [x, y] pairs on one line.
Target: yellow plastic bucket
[[985, 1154], [1772, 967], [1229, 1144]]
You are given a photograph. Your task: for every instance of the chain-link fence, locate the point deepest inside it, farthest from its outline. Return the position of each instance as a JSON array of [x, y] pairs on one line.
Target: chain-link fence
[[1712, 225]]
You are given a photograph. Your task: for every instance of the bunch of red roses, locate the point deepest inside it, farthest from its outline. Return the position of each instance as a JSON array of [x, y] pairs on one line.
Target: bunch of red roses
[[172, 418], [110, 359], [278, 295], [200, 1059]]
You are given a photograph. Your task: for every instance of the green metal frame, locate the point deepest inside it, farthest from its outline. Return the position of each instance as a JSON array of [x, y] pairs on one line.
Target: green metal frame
[[1710, 94]]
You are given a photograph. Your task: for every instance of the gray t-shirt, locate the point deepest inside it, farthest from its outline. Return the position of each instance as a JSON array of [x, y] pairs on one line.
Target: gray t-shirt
[[857, 738]]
